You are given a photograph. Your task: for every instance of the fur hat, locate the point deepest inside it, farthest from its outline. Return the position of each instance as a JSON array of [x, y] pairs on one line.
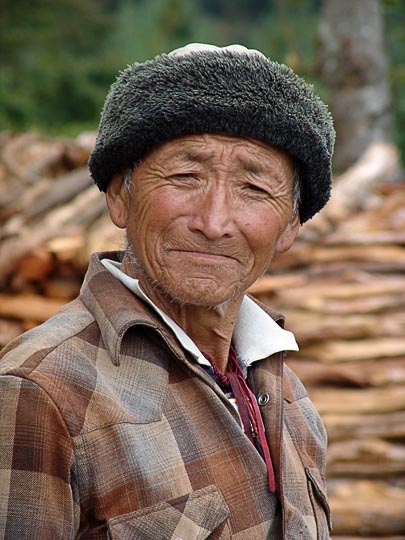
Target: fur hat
[[207, 89]]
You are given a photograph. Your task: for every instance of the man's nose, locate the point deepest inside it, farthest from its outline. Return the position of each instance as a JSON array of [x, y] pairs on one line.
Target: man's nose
[[213, 214]]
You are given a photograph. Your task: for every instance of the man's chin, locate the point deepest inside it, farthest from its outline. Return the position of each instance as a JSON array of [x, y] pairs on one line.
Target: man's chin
[[202, 293]]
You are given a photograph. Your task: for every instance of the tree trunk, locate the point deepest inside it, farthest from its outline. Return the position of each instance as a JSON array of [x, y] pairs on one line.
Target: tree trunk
[[354, 67]]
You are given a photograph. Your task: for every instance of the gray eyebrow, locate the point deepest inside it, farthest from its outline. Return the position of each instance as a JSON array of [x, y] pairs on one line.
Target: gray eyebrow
[[200, 156], [251, 167], [197, 156]]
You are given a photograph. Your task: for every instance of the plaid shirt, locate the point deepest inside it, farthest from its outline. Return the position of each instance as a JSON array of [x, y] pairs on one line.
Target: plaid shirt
[[109, 429]]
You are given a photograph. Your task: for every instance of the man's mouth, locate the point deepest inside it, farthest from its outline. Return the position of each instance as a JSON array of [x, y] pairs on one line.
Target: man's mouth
[[206, 255]]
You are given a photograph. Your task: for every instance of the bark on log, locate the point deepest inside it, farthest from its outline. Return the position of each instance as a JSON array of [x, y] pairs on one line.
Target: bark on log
[[371, 304], [36, 265], [365, 457], [273, 283], [102, 235], [365, 401], [352, 350], [387, 256], [31, 156], [310, 327], [366, 508], [385, 216], [60, 191], [352, 188], [361, 374], [388, 425], [370, 238], [28, 307], [63, 221], [347, 291]]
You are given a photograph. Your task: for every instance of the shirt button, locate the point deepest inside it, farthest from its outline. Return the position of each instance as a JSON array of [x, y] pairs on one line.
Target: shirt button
[[263, 399]]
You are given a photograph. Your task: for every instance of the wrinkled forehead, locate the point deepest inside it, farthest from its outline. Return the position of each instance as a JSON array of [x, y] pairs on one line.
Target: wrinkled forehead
[[215, 148], [212, 154]]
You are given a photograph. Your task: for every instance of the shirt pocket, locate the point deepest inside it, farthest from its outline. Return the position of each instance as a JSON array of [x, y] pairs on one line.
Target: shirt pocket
[[319, 501], [199, 515]]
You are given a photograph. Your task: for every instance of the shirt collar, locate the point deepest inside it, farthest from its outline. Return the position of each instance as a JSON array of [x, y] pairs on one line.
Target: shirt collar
[[256, 334]]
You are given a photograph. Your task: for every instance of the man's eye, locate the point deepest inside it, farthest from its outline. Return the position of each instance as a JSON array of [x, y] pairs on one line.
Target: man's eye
[[184, 177], [256, 189]]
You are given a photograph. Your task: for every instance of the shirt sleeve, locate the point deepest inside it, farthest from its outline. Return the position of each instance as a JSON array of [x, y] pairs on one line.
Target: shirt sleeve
[[36, 455]]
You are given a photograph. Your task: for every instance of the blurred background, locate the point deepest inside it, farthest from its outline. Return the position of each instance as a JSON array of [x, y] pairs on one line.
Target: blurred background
[[341, 286], [59, 59]]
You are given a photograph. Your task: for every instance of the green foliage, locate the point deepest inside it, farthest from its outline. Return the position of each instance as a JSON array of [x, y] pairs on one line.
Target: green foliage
[[50, 71], [141, 29], [58, 59], [394, 15]]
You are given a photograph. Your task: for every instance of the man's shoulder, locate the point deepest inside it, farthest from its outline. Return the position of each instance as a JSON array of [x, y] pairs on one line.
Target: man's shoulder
[[66, 329]]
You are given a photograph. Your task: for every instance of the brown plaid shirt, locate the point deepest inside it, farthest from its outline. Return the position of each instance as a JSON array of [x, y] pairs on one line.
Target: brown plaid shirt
[[109, 430]]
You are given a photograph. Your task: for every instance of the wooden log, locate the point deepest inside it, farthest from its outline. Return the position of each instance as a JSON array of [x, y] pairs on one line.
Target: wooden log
[[28, 307], [389, 425], [65, 248], [310, 327], [380, 214], [361, 374], [60, 191], [12, 215], [387, 216], [334, 351], [371, 304], [36, 265], [365, 458], [367, 238], [344, 267], [20, 152], [354, 187], [30, 156], [367, 508], [102, 235], [13, 250], [308, 254], [272, 283], [338, 289], [349, 401], [338, 294], [61, 288], [68, 219]]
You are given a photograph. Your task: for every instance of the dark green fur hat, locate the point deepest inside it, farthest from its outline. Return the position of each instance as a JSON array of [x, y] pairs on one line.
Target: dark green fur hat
[[206, 89]]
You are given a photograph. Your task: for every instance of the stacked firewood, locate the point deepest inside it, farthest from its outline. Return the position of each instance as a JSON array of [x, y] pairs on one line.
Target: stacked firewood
[[51, 218], [341, 287]]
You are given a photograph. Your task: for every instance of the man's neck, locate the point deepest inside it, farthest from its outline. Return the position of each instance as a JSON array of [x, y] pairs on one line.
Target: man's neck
[[211, 328]]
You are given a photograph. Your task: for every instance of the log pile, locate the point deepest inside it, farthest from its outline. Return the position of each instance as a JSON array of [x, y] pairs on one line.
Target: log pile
[[341, 287], [51, 218]]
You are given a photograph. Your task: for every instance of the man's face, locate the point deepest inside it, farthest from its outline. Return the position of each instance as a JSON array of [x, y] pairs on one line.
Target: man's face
[[205, 215]]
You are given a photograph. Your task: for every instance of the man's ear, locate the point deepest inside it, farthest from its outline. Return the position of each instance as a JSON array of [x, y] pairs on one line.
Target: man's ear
[[117, 200], [287, 237]]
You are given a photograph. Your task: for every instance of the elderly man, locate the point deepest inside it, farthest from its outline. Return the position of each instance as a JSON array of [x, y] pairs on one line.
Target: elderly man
[[157, 405]]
